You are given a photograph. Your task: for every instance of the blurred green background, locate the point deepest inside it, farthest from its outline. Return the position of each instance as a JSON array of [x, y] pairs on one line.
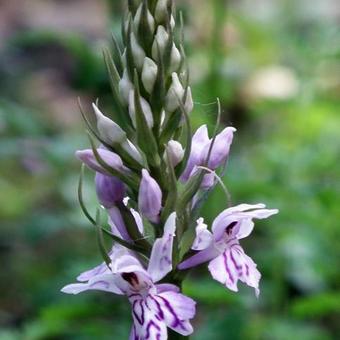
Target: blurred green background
[[275, 66]]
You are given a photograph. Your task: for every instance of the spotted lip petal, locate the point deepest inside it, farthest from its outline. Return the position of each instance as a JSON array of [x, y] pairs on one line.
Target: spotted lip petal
[[234, 265], [156, 312]]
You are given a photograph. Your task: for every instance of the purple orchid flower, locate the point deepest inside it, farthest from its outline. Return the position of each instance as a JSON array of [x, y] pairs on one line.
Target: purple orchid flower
[[228, 261], [154, 306], [200, 149], [149, 197]]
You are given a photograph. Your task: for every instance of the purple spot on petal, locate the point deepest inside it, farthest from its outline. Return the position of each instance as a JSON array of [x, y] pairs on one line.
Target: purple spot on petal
[[177, 322], [227, 267], [239, 268], [140, 318], [151, 324]]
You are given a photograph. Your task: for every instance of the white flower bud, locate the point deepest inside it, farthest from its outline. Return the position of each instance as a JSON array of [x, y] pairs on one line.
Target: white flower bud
[[175, 60], [175, 151], [174, 95], [189, 103], [161, 39], [172, 22], [125, 87], [149, 74], [109, 131], [151, 20], [161, 10], [137, 52], [132, 151], [145, 107]]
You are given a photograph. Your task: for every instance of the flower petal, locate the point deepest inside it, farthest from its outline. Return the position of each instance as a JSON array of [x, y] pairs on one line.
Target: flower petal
[[148, 325], [242, 216], [234, 265], [201, 257], [177, 309], [160, 262], [165, 287], [203, 238], [104, 282], [117, 224], [116, 252], [138, 220]]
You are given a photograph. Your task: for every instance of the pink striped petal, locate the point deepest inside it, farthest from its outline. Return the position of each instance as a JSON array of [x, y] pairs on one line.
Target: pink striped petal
[[177, 309], [201, 257], [160, 262], [234, 265], [104, 282]]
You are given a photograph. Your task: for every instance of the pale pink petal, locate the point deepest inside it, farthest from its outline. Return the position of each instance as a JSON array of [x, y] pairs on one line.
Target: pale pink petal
[[160, 262], [147, 324], [104, 282], [116, 252], [234, 265], [117, 224], [165, 287], [201, 257], [239, 219], [177, 310], [222, 272], [203, 238], [138, 220]]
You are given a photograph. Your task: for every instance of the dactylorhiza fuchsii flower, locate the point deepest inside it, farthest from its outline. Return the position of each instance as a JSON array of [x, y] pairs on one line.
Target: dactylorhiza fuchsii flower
[[151, 177], [228, 261], [154, 306]]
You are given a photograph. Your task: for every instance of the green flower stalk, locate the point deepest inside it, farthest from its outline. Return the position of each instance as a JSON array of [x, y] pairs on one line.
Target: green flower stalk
[[151, 178]]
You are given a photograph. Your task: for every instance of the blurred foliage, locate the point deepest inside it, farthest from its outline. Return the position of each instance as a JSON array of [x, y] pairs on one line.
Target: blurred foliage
[[275, 67]]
